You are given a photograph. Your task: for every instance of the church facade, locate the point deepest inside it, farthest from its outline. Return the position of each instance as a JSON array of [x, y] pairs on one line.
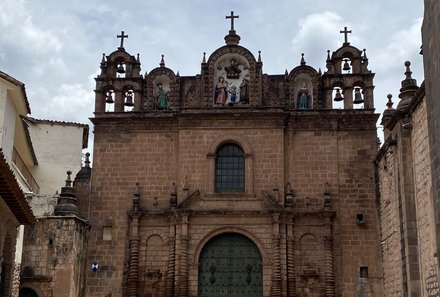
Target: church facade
[[233, 182]]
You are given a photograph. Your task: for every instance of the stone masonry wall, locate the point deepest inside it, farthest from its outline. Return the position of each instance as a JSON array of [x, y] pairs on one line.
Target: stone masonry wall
[[424, 202], [53, 256]]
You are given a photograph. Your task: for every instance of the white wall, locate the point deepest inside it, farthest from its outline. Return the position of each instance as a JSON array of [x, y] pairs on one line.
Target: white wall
[[8, 115], [58, 149]]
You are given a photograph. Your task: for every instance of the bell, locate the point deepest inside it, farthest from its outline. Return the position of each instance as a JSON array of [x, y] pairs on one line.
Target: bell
[[109, 98], [358, 96], [129, 99], [120, 69], [338, 96], [346, 66]]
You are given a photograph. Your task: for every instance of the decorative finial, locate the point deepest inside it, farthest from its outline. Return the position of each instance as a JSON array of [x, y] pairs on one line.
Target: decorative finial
[[408, 71], [286, 73], [259, 56], [173, 196], [103, 63], [177, 74], [204, 58], [389, 103], [303, 62], [162, 62], [68, 180], [328, 55], [136, 197], [232, 17], [319, 71], [365, 54], [137, 58], [87, 161], [345, 31], [122, 36]]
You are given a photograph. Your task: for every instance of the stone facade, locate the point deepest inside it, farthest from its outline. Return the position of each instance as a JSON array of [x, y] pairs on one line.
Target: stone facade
[[431, 47], [306, 200], [408, 178]]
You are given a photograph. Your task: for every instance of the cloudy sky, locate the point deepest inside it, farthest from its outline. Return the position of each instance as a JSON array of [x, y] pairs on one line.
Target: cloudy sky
[[55, 47]]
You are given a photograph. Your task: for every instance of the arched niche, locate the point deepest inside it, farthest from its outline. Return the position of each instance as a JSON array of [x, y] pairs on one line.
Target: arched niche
[[161, 90], [303, 92], [232, 78], [162, 85]]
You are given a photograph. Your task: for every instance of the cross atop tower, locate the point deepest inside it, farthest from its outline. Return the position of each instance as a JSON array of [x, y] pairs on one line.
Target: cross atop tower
[[345, 31], [232, 17], [122, 36]]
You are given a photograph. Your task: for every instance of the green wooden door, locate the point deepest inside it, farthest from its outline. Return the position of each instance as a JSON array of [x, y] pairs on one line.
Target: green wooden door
[[230, 266]]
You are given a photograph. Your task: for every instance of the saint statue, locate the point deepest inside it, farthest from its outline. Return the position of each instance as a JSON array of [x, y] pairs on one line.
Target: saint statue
[[161, 96], [303, 97], [244, 91], [220, 92]]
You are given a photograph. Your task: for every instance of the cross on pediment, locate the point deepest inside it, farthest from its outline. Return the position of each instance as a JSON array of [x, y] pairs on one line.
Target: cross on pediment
[[345, 31], [232, 17], [122, 36]]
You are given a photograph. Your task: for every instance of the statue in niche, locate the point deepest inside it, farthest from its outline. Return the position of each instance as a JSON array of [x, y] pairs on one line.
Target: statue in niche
[[233, 97], [221, 91], [303, 97], [232, 71], [162, 97], [244, 91]]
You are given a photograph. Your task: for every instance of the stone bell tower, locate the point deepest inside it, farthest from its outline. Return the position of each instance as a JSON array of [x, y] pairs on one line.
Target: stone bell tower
[[118, 87], [348, 78]]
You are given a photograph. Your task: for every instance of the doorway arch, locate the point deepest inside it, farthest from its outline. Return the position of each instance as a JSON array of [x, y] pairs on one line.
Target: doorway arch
[[230, 265], [27, 292]]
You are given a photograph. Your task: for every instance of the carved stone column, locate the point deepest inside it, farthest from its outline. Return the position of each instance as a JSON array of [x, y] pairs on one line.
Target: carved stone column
[[291, 286], [171, 260], [276, 274], [183, 275], [329, 274], [133, 272]]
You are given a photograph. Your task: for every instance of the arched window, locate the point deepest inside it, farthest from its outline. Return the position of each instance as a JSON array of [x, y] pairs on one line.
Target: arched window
[[229, 169]]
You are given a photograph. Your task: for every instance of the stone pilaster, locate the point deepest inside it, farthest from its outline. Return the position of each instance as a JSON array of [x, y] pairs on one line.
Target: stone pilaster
[[171, 261], [276, 274], [291, 280], [183, 275], [133, 273], [328, 266]]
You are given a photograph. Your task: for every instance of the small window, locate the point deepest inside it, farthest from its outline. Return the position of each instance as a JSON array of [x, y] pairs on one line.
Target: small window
[[107, 233], [229, 169], [363, 272]]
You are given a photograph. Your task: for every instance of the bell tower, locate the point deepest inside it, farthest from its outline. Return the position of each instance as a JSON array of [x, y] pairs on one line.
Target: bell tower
[[119, 86], [348, 78]]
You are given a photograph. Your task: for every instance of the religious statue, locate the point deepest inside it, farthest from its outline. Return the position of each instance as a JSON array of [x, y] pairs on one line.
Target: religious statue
[[161, 96], [244, 92], [220, 92], [233, 91], [303, 97], [232, 71]]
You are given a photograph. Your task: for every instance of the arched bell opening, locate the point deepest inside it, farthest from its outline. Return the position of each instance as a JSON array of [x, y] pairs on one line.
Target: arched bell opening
[[346, 66], [129, 95], [358, 97], [121, 68], [338, 98], [109, 98]]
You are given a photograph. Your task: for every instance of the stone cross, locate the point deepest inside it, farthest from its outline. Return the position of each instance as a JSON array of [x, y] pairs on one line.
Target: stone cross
[[232, 17], [345, 31], [122, 36]]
